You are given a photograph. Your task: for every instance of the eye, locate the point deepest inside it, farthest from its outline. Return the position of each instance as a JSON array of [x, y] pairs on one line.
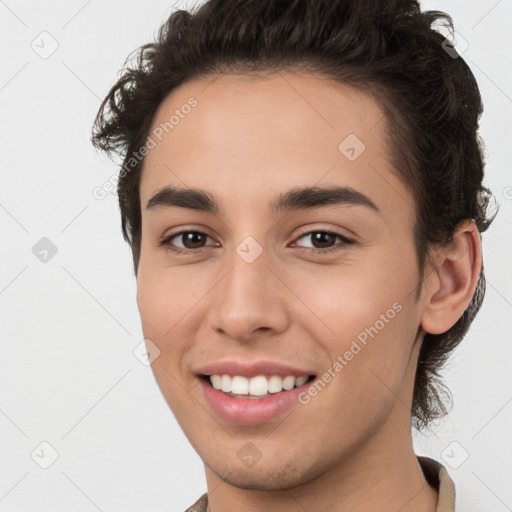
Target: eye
[[191, 241], [322, 240]]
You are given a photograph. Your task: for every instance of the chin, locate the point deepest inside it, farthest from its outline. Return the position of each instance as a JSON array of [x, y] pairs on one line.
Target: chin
[[268, 477]]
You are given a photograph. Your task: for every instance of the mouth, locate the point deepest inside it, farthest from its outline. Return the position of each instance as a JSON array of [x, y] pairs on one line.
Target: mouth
[[252, 399], [257, 387], [251, 392]]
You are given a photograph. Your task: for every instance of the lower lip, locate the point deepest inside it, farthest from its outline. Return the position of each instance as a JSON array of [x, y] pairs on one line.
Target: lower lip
[[250, 411]]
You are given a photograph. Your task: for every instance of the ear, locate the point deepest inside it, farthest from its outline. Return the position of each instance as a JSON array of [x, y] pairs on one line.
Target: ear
[[452, 283]]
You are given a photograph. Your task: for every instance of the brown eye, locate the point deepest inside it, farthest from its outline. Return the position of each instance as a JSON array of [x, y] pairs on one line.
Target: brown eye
[[323, 241], [190, 241]]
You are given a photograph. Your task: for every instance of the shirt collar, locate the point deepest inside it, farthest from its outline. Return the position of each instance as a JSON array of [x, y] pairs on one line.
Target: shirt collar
[[437, 476]]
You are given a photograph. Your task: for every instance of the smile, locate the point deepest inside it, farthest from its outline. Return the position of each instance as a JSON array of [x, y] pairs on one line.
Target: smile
[[256, 387]]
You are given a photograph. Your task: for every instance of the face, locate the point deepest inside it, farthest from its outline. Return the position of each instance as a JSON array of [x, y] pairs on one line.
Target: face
[[305, 301]]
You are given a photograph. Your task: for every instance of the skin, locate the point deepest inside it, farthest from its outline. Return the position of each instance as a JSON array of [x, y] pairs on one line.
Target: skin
[[350, 447]]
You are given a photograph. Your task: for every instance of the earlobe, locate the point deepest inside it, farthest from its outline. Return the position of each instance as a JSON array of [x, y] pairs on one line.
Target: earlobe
[[454, 280]]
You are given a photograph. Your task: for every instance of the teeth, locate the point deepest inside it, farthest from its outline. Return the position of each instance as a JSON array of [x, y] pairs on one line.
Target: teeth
[[225, 383], [275, 384], [216, 381], [288, 383], [300, 381], [256, 386], [239, 385]]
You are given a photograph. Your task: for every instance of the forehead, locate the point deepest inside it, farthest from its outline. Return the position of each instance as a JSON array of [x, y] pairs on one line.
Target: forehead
[[252, 136]]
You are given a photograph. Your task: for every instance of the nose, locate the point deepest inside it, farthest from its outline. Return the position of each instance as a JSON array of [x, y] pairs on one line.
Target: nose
[[249, 301]]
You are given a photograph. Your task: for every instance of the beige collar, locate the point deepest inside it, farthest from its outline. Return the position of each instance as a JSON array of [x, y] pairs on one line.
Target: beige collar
[[437, 476]]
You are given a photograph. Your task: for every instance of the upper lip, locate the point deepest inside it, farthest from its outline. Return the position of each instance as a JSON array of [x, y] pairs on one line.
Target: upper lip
[[253, 369]]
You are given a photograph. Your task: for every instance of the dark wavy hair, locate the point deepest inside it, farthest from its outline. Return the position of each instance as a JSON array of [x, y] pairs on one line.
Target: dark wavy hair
[[390, 50]]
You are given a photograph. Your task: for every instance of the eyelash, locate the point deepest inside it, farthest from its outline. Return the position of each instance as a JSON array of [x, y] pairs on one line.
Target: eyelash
[[346, 241]]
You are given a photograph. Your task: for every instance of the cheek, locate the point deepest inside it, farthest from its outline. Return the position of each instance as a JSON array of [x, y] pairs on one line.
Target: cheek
[[164, 297], [166, 303], [350, 298], [367, 314]]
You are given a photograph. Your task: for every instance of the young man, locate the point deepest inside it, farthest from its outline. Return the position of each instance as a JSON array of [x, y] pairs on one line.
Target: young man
[[306, 242]]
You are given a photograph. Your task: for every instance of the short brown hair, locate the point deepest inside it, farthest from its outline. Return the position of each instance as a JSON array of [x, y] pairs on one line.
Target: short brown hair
[[390, 50]]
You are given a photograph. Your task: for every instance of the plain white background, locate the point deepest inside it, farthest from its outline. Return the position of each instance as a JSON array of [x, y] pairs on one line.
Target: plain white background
[[70, 325]]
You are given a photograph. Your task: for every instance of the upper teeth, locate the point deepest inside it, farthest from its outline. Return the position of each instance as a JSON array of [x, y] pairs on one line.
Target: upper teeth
[[256, 386]]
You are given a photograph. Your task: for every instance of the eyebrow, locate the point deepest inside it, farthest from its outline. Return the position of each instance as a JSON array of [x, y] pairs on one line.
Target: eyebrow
[[294, 199]]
